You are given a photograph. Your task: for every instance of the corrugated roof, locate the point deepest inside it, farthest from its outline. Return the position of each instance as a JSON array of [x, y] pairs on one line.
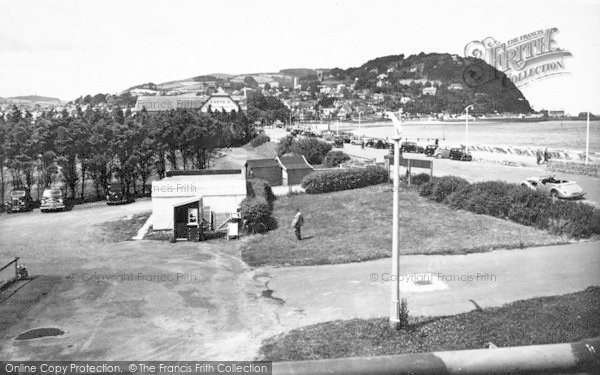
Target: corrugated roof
[[203, 172], [294, 162], [262, 163]]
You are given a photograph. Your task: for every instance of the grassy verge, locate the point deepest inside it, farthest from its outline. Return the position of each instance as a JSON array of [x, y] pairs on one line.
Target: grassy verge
[[535, 321], [355, 225], [124, 229]]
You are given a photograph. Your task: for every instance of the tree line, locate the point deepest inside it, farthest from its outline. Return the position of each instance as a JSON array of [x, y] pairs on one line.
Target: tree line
[[103, 146]]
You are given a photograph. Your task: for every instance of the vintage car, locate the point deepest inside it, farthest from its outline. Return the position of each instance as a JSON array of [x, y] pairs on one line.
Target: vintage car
[[409, 147], [441, 153], [356, 141], [556, 188], [430, 150], [20, 201], [460, 154], [116, 194], [54, 199], [338, 142]]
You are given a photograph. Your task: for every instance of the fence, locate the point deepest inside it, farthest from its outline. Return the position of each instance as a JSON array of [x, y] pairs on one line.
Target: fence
[[9, 275]]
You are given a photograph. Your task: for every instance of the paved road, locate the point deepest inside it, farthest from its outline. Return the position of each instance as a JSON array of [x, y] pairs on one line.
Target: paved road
[[435, 285], [478, 170], [157, 300]]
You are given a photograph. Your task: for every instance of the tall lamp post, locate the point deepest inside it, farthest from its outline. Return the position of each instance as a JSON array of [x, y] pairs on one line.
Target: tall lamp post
[[587, 138], [359, 125], [38, 174], [467, 128], [395, 307]]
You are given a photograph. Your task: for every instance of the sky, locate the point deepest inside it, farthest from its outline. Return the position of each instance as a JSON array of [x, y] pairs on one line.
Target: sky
[[69, 48]]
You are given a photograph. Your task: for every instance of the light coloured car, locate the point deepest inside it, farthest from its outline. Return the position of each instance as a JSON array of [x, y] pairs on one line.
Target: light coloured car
[[441, 153], [556, 188], [54, 199]]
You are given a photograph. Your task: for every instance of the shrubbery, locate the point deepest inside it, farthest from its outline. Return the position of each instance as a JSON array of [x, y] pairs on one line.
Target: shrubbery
[[343, 179], [335, 158], [420, 179], [259, 140], [257, 207], [313, 149], [257, 187], [516, 203]]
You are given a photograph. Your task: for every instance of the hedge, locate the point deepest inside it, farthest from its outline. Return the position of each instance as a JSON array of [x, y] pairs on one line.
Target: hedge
[[313, 149], [259, 140], [256, 187], [343, 179], [515, 203], [335, 158], [257, 207]]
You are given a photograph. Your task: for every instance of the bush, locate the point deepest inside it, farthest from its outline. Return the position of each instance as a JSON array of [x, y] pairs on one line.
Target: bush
[[255, 211], [285, 144], [257, 187], [313, 149], [444, 186], [343, 179], [420, 179], [335, 158], [259, 140], [518, 204]]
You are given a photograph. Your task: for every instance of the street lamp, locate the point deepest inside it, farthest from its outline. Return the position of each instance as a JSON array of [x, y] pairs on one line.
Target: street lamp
[[38, 175], [467, 128], [395, 307], [359, 125], [587, 138]]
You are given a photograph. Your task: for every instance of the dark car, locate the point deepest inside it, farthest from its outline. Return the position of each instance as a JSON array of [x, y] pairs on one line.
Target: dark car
[[338, 142], [460, 154], [380, 144], [20, 201], [429, 150], [409, 147], [54, 199], [116, 194]]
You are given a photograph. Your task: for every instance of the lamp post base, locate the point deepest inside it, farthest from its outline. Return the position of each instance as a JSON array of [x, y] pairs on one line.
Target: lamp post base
[[395, 322]]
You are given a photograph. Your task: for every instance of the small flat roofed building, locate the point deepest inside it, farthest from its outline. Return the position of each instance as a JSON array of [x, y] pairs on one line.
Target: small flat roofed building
[[266, 169], [221, 192], [293, 169]]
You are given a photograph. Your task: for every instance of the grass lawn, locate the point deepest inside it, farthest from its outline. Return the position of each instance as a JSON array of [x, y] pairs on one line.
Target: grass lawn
[[124, 229], [355, 225], [236, 157], [535, 321]]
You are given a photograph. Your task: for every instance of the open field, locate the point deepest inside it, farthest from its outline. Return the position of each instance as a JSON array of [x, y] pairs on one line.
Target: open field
[[543, 320], [355, 225]]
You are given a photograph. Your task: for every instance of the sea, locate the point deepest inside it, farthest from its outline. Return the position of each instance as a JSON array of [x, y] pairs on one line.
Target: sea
[[554, 135]]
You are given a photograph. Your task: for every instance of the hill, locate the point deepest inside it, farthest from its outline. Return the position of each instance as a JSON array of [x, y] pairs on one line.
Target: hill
[[423, 83], [35, 98]]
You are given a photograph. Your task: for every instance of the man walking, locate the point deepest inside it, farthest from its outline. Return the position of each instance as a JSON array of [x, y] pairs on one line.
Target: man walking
[[297, 223]]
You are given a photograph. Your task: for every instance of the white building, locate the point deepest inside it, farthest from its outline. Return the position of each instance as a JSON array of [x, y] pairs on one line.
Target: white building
[[221, 192]]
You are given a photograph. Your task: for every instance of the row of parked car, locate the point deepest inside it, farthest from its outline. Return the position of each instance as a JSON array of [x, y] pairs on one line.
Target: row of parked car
[[55, 199]]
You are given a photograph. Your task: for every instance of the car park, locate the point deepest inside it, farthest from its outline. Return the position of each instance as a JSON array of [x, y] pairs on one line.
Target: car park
[[556, 188], [54, 199], [460, 154], [116, 194], [20, 201]]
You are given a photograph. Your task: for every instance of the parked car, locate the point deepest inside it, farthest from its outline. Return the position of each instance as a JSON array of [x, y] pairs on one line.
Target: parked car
[[338, 142], [563, 189], [408, 147], [380, 144], [356, 141], [441, 153], [20, 201], [430, 150], [116, 194], [460, 154], [54, 199]]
